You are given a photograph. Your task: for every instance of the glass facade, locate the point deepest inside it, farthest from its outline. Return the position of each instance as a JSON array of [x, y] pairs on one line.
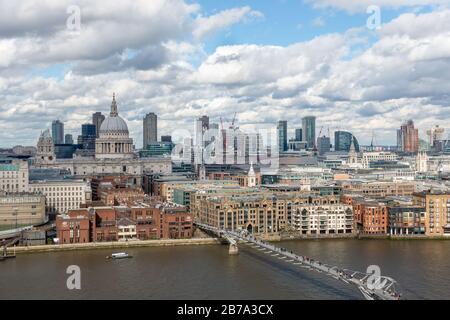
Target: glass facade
[[282, 135], [309, 130], [343, 141]]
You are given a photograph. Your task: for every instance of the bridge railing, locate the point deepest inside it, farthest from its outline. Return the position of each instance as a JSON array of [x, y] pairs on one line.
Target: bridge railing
[[382, 288]]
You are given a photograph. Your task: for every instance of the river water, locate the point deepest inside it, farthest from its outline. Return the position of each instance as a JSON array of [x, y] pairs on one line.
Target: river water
[[421, 267]]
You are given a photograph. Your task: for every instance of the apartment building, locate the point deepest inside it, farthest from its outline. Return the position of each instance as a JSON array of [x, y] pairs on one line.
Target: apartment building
[[437, 211], [313, 219]]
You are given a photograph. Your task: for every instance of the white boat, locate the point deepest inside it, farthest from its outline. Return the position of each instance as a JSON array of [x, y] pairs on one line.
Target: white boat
[[119, 255]]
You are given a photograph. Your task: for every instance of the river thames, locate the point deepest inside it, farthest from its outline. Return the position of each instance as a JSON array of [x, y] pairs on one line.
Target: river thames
[[421, 267]]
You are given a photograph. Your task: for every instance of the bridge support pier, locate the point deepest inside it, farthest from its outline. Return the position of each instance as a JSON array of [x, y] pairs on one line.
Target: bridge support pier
[[233, 249]]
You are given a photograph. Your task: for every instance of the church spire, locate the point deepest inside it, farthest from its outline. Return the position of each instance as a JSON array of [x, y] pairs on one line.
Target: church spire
[[114, 112], [352, 146]]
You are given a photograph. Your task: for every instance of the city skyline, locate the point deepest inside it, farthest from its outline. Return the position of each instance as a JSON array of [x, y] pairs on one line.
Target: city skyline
[[326, 62], [290, 135]]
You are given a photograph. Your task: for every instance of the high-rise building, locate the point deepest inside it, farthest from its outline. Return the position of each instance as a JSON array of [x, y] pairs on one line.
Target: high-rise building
[[323, 145], [309, 130], [150, 132], [408, 138], [88, 129], [88, 136], [97, 120], [435, 134], [166, 138], [298, 134], [343, 141], [205, 122], [282, 136], [57, 132], [68, 139]]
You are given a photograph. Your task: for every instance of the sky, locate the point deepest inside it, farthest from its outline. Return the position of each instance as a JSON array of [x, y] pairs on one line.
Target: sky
[[263, 60]]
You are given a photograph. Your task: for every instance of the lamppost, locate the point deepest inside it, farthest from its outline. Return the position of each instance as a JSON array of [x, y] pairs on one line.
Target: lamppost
[[15, 214]]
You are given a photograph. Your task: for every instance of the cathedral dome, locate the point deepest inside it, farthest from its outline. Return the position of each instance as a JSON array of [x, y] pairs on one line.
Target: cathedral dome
[[114, 124]]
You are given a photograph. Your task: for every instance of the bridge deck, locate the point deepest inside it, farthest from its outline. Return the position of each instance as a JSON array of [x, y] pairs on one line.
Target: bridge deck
[[371, 287]]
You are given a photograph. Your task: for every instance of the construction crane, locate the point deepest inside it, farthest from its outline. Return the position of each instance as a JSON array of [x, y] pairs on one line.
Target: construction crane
[[373, 142], [232, 127]]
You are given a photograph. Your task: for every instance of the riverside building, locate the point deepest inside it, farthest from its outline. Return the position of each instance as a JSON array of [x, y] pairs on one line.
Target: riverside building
[[21, 209]]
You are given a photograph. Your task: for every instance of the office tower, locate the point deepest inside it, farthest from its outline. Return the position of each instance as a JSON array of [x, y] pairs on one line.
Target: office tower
[[282, 135], [205, 122], [88, 136], [408, 138], [309, 130], [435, 135], [57, 132], [97, 120], [343, 141], [150, 132], [298, 134], [166, 138], [68, 139], [323, 145]]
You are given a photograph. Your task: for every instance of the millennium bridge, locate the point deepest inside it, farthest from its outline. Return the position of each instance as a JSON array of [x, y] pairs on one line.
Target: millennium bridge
[[372, 287]]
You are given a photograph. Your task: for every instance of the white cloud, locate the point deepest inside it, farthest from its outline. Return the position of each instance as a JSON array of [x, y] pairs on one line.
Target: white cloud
[[362, 5], [405, 73], [205, 26], [318, 22]]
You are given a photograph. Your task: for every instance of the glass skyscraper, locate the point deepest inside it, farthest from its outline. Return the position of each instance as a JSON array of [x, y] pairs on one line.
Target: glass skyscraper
[[282, 136], [298, 134], [150, 130], [343, 141], [57, 132], [97, 120], [323, 145], [309, 130]]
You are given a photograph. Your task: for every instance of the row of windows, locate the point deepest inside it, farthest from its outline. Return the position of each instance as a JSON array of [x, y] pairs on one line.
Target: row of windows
[[70, 194], [11, 174], [58, 188], [12, 187]]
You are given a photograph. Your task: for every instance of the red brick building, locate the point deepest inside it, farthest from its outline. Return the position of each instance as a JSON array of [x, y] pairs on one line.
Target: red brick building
[[148, 222], [73, 227], [371, 217], [375, 218], [151, 221], [104, 224], [119, 181], [110, 196], [176, 222]]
